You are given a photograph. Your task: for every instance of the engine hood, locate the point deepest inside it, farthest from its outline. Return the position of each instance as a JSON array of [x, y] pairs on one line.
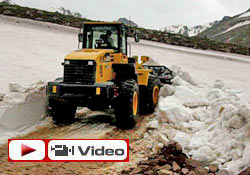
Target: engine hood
[[87, 54]]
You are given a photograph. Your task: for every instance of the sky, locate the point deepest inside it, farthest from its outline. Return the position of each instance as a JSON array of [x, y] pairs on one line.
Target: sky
[[153, 14]]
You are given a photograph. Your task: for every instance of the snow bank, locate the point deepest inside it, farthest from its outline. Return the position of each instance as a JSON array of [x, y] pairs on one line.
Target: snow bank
[[211, 124], [21, 109]]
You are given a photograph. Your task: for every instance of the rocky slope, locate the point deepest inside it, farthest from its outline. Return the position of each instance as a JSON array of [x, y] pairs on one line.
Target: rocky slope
[[8, 2], [127, 22], [64, 11], [147, 34], [188, 31], [234, 30]]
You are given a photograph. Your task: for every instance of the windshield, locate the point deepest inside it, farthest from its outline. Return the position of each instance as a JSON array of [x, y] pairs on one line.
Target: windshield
[[101, 37]]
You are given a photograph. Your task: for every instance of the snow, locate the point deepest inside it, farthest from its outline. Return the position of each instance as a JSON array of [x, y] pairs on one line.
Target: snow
[[244, 15], [21, 109], [215, 130], [236, 26], [64, 11], [185, 30]]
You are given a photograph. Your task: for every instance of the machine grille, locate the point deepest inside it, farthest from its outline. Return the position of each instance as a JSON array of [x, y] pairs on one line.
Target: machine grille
[[78, 71]]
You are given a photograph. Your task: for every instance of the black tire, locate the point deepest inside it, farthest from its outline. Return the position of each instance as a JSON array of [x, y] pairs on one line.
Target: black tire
[[148, 101], [124, 111], [62, 113]]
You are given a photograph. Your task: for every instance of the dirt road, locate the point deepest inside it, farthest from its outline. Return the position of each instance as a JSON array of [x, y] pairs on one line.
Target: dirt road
[[92, 126]]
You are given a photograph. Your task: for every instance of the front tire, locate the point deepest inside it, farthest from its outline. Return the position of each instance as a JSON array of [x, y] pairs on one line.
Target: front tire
[[62, 113], [127, 104], [149, 96]]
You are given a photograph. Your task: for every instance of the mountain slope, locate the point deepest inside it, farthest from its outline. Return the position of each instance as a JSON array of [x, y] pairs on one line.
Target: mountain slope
[[127, 22], [64, 11], [8, 2], [188, 31], [234, 30]]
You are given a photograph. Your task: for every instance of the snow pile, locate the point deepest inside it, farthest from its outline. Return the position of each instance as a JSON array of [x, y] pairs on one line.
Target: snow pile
[[211, 124], [21, 109]]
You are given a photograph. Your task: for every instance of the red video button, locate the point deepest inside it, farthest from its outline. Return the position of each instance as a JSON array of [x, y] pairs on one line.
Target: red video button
[[26, 150]]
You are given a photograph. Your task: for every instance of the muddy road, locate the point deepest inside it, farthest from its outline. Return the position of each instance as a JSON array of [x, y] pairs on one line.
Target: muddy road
[[95, 125]]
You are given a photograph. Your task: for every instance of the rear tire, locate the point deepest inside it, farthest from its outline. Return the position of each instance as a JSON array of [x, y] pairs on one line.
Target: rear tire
[[127, 104], [149, 96], [62, 113]]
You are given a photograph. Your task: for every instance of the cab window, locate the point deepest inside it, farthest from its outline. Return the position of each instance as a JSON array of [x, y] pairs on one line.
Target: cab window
[[101, 37]]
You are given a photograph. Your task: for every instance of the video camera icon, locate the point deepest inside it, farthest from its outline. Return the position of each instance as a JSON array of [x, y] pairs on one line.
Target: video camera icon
[[63, 150]]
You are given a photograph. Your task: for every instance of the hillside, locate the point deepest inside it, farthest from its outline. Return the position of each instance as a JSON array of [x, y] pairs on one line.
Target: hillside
[[188, 31], [127, 22], [147, 34], [64, 11], [235, 30]]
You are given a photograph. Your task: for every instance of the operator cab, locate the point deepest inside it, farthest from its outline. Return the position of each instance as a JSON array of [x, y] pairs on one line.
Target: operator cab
[[104, 36]]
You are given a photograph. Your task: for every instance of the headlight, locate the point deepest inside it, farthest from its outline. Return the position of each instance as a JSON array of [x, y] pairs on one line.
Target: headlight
[[90, 63], [66, 62]]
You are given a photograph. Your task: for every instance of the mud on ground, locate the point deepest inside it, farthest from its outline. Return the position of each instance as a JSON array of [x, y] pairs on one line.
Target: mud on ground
[[92, 126]]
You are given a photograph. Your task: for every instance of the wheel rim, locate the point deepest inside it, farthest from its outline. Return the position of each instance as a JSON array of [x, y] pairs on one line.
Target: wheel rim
[[135, 103], [155, 94]]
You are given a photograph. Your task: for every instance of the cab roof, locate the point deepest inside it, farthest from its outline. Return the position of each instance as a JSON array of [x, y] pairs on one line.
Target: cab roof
[[103, 23]]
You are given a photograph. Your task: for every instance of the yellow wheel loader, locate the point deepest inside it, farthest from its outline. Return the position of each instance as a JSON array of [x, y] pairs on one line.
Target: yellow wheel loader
[[101, 76]]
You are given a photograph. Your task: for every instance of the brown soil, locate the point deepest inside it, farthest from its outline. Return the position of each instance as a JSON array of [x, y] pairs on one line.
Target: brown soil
[[95, 125]]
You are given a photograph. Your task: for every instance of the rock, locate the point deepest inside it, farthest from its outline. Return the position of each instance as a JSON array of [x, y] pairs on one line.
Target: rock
[[192, 163], [166, 167], [176, 145], [184, 171], [176, 166], [213, 168], [192, 173], [158, 147], [7, 12], [165, 172], [2, 96], [201, 170], [162, 139], [153, 125], [28, 12], [54, 18], [223, 172], [40, 12]]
